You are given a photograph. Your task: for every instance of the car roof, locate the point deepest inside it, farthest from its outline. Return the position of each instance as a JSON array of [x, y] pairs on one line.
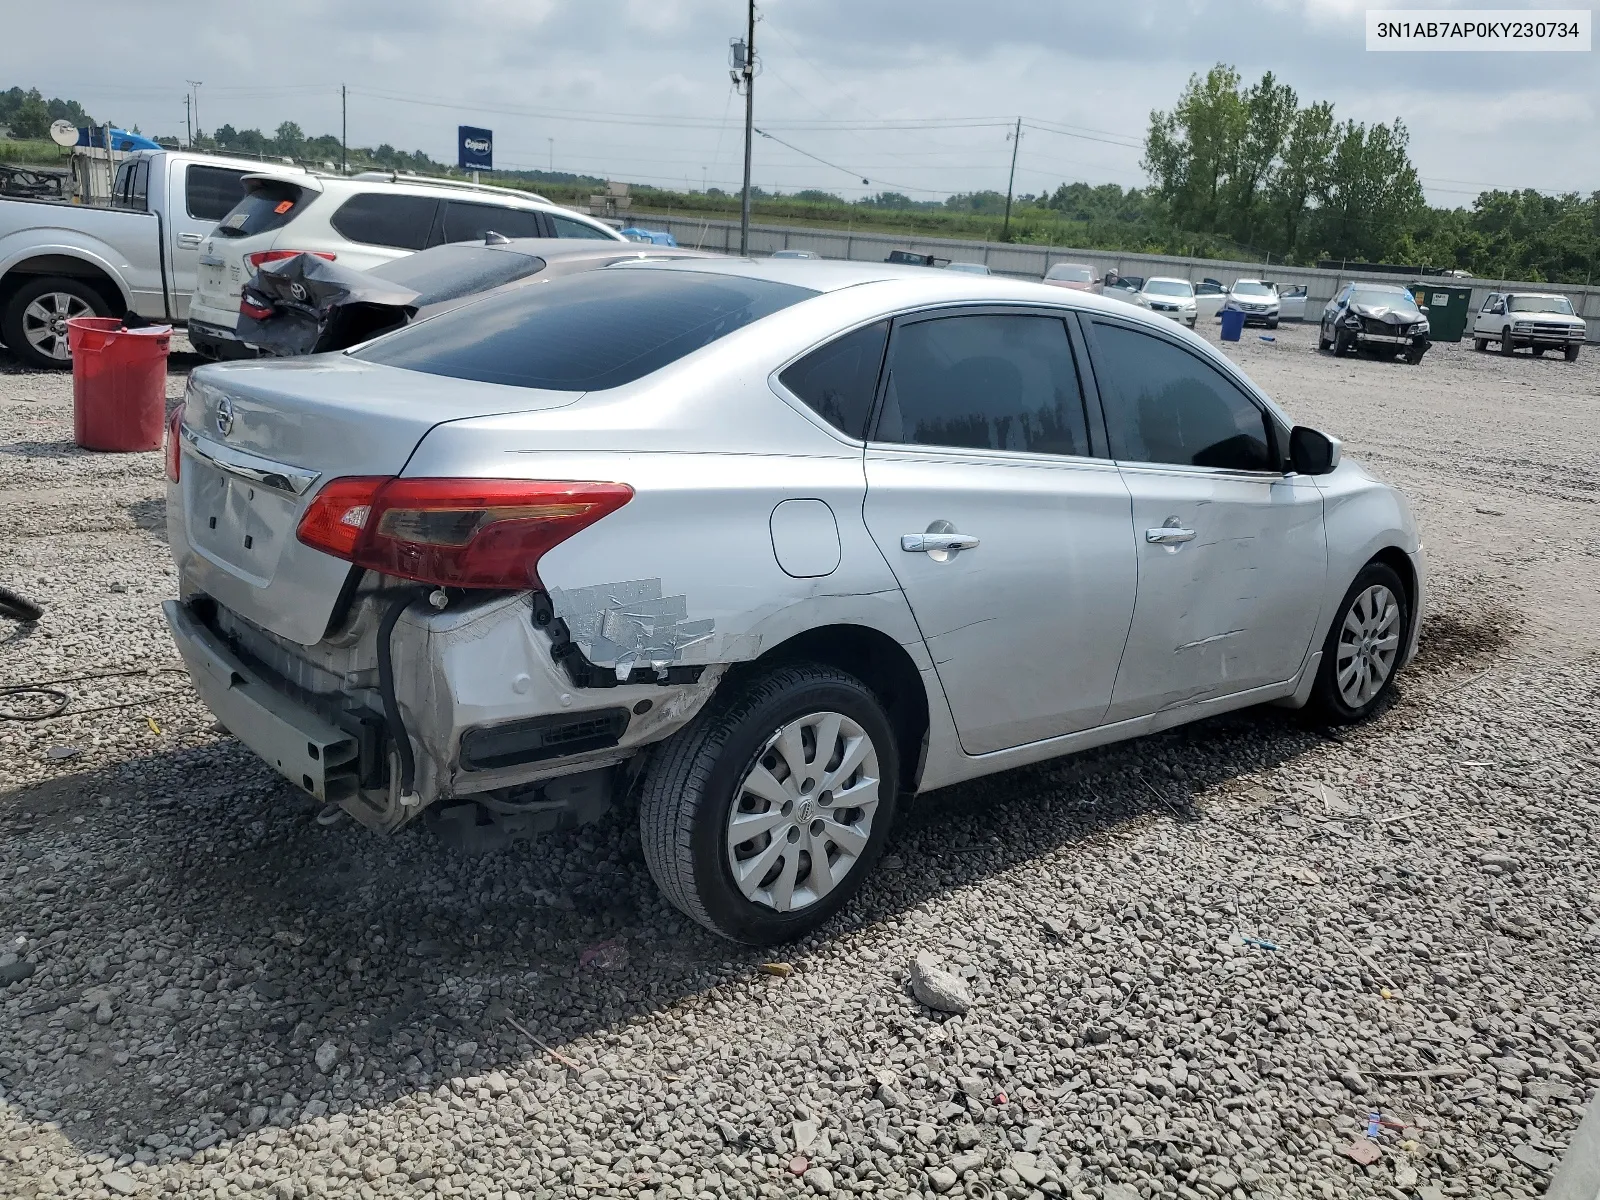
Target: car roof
[[903, 286]]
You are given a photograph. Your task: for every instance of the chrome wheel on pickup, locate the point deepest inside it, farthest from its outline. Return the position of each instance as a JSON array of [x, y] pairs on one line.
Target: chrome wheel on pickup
[[762, 816], [34, 325]]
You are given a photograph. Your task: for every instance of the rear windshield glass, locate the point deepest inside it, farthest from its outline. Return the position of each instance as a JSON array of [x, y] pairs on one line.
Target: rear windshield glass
[[448, 272], [584, 332], [269, 206]]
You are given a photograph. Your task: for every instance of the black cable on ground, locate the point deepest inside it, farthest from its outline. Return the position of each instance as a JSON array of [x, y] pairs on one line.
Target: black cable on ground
[[58, 704], [18, 608]]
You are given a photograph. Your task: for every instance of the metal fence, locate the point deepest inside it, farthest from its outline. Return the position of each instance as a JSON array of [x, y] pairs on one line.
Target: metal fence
[[1030, 262]]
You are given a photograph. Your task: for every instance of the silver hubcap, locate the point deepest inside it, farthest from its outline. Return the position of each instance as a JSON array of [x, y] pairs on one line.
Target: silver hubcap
[[1368, 645], [802, 817], [44, 322]]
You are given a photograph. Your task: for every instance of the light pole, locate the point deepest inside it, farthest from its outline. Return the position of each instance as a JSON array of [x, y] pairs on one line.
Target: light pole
[[1016, 141], [744, 69], [199, 132]]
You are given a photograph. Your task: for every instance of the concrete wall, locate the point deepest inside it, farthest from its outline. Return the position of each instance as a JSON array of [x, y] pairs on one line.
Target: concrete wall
[[1029, 262]]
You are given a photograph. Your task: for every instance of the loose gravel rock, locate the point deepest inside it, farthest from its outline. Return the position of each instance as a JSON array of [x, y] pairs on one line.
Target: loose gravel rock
[[181, 942]]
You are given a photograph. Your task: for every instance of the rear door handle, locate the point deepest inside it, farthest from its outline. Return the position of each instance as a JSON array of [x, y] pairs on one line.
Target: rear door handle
[[1168, 535], [927, 543], [190, 241]]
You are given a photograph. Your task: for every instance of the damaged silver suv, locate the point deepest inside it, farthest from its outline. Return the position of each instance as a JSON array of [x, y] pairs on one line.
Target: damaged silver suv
[[775, 543]]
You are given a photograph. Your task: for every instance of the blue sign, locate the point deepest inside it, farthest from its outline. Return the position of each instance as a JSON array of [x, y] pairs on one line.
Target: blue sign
[[474, 148]]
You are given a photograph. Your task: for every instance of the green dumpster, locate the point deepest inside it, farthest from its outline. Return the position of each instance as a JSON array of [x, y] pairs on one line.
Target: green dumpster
[[1449, 309]]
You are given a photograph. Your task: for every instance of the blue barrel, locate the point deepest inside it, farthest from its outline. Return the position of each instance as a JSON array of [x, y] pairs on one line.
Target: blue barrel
[[1232, 324]]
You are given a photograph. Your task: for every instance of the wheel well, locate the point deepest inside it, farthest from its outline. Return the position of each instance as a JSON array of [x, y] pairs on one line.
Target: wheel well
[[19, 275], [881, 663], [1400, 563]]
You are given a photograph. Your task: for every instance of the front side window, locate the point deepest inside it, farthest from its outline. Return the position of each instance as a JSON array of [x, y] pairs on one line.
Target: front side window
[[568, 227], [1165, 405], [468, 222], [587, 332], [998, 382], [839, 381], [387, 219], [210, 193]]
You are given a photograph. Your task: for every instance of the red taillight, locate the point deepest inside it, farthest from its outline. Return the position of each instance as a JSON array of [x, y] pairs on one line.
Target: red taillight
[[174, 448], [250, 307], [471, 533], [261, 257]]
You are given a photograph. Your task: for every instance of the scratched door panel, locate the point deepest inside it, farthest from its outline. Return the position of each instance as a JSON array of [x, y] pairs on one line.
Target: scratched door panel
[[1235, 607]]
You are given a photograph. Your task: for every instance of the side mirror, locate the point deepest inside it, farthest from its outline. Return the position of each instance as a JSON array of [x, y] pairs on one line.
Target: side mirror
[[1422, 308], [1312, 452]]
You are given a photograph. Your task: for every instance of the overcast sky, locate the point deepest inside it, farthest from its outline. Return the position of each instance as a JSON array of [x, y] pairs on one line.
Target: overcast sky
[[639, 89]]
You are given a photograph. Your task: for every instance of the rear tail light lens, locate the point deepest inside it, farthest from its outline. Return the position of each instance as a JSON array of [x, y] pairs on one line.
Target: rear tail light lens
[[251, 306], [174, 447], [470, 533], [262, 257]]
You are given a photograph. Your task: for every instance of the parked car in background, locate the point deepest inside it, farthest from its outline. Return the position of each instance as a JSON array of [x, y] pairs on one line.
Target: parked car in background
[[1077, 277], [138, 254], [969, 268], [1209, 295], [1538, 320], [359, 221], [910, 258], [795, 254], [650, 237], [1170, 297], [1378, 318], [1292, 303], [308, 305], [767, 521], [1256, 299]]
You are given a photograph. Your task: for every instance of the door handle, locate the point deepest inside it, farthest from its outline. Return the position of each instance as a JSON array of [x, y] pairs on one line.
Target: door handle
[[930, 543], [190, 241], [1168, 535]]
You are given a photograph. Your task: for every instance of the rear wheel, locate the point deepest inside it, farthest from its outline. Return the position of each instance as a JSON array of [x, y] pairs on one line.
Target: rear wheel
[[34, 325], [1506, 344], [1572, 352], [1362, 651], [1479, 343], [762, 816]]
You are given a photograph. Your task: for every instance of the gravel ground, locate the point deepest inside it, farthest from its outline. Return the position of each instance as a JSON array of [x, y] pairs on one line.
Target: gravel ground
[[203, 992]]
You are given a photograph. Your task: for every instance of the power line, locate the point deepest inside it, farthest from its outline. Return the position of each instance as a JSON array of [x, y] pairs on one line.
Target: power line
[[848, 171]]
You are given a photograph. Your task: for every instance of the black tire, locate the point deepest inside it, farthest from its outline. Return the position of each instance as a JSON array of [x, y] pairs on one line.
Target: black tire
[[1322, 342], [1341, 343], [693, 782], [1480, 344], [1507, 346], [1538, 351], [1572, 352], [1414, 357], [1272, 324], [1326, 699], [16, 338], [18, 608]]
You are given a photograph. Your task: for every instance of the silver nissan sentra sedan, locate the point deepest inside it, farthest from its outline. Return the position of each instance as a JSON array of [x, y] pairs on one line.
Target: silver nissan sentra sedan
[[776, 543]]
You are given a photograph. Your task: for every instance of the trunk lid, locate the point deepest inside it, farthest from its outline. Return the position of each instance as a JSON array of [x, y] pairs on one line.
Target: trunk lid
[[261, 438]]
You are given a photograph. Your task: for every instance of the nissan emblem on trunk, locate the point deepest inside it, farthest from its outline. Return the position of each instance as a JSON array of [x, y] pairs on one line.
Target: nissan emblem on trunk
[[224, 416]]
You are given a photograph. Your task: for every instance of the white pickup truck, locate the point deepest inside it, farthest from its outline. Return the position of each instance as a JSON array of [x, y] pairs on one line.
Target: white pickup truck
[[59, 259]]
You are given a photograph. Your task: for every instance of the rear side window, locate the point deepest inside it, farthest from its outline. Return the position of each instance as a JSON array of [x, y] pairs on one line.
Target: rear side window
[[386, 219], [470, 222], [985, 383], [209, 193], [268, 206], [839, 380], [1164, 405], [568, 227], [587, 332]]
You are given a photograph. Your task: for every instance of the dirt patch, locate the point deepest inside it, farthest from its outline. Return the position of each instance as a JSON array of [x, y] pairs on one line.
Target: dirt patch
[[1454, 637]]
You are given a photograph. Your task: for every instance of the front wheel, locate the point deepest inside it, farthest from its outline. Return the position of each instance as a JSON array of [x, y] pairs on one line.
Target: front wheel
[[1507, 346], [1342, 343], [1362, 650], [1322, 339], [1572, 352], [762, 816], [1272, 324], [34, 325]]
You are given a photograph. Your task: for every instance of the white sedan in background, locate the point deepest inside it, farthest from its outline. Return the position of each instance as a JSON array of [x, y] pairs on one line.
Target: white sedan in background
[[1173, 298]]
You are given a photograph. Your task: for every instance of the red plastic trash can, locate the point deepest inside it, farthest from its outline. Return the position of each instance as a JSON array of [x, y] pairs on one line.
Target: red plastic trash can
[[119, 383]]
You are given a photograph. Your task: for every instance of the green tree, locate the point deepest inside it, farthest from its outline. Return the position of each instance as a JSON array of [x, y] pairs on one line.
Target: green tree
[[1193, 151], [31, 119], [1270, 108], [1302, 176], [288, 139], [1373, 193]]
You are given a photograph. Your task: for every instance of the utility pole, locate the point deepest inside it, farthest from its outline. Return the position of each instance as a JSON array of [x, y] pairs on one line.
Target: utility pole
[[198, 131], [344, 131], [188, 125], [749, 124], [1016, 141]]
